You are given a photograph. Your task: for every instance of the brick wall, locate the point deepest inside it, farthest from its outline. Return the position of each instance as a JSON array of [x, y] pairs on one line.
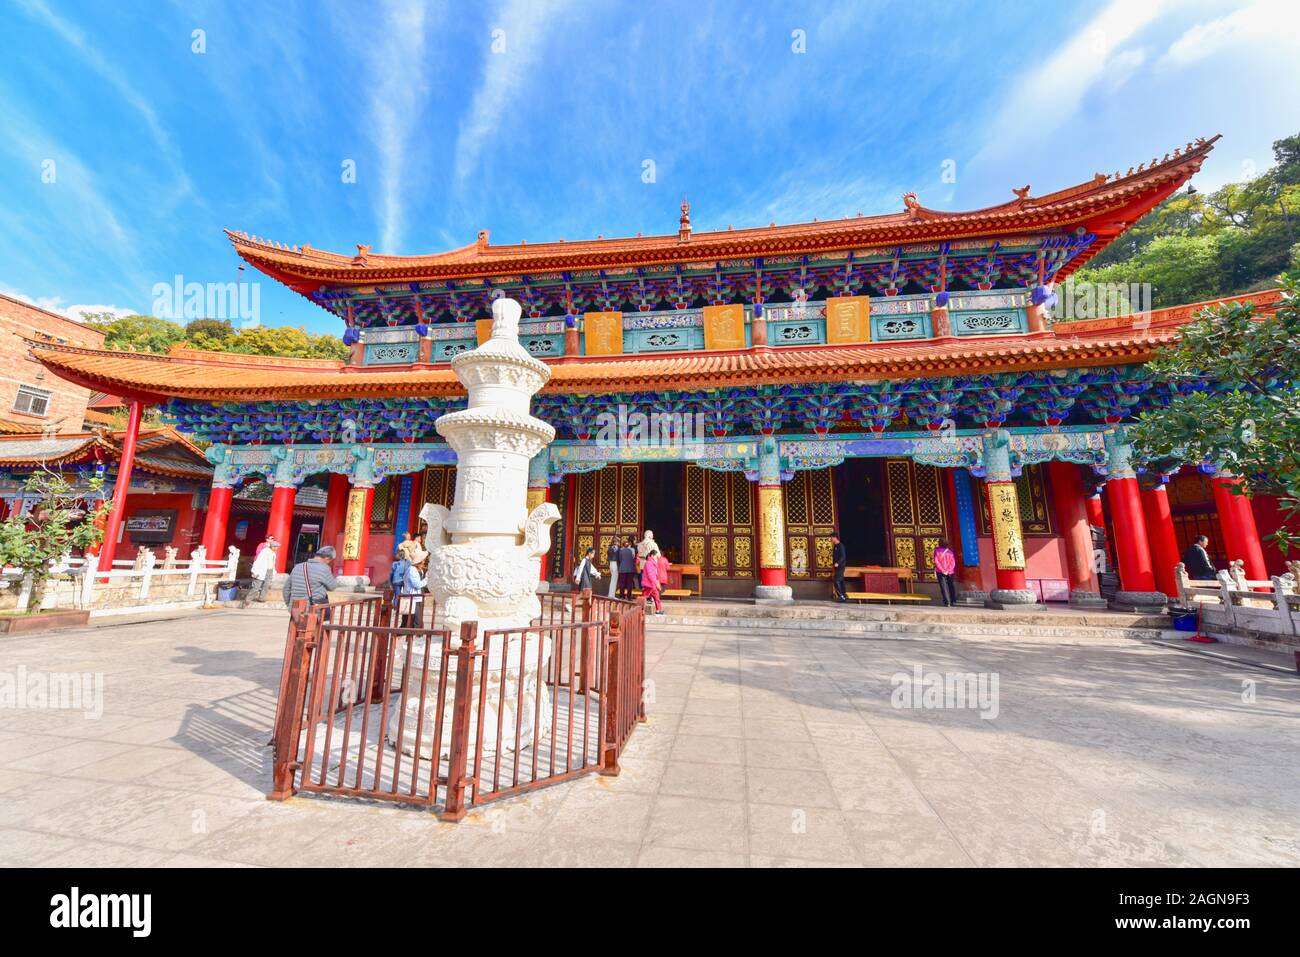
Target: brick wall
[[67, 402]]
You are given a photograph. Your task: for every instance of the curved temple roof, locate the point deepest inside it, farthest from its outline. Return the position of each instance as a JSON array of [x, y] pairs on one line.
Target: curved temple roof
[[1104, 206], [226, 377]]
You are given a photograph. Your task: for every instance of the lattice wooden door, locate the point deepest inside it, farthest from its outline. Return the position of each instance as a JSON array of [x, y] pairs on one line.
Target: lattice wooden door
[[608, 506], [810, 521], [718, 523], [916, 519]]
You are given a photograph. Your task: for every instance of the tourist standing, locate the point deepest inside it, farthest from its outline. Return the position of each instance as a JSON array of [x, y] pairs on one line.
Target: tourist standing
[[627, 584], [840, 558], [1196, 560], [644, 548], [263, 570], [312, 580], [408, 592], [411, 549], [945, 565], [611, 557], [650, 581], [585, 575]]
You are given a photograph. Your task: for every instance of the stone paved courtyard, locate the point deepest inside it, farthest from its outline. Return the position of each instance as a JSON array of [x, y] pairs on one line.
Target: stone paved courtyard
[[759, 750]]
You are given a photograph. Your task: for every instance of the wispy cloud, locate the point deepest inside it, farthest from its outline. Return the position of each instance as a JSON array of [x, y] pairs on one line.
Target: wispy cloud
[[1264, 20], [1045, 98], [77, 312], [398, 63], [90, 57], [523, 26]]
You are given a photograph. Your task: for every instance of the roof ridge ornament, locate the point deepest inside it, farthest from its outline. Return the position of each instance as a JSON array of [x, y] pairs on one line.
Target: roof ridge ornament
[[684, 222], [911, 205], [362, 258]]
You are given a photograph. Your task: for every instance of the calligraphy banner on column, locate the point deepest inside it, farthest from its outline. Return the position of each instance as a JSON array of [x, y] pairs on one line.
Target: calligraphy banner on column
[[352, 529], [771, 527], [1004, 515]]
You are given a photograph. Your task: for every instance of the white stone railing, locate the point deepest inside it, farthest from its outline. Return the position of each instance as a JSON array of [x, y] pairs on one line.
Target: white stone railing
[[1234, 602], [144, 580]]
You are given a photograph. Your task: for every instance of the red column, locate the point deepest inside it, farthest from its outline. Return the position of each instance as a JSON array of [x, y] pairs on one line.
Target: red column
[[1240, 534], [280, 525], [336, 509], [1072, 519], [122, 486], [1008, 539], [357, 566], [1096, 514], [771, 535], [218, 517], [1164, 543], [1131, 548]]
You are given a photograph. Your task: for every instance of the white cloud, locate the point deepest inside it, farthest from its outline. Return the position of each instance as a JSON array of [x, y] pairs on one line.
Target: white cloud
[[1269, 21], [1044, 98], [399, 66], [55, 304], [525, 25]]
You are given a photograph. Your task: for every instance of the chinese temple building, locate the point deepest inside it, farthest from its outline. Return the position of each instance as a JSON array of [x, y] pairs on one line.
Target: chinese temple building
[[745, 393]]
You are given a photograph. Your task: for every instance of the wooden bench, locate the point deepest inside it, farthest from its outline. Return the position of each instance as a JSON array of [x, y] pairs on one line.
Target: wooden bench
[[885, 596], [680, 572]]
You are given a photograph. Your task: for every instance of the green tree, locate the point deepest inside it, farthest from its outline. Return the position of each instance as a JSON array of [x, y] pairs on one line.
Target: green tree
[[1200, 246], [1246, 422], [137, 333], [57, 523]]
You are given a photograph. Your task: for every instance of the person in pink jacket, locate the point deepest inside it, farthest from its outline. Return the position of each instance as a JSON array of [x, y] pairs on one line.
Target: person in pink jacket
[[945, 564], [650, 581]]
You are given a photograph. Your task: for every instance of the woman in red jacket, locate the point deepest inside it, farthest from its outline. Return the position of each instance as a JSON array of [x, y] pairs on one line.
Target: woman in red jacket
[[650, 580]]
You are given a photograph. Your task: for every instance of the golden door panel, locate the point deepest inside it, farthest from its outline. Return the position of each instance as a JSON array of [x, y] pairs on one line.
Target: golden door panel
[[439, 485], [608, 507], [917, 519], [718, 523], [810, 521]]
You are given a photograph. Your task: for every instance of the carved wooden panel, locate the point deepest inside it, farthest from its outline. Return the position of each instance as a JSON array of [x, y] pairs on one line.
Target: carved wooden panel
[[917, 517], [718, 523], [810, 521]]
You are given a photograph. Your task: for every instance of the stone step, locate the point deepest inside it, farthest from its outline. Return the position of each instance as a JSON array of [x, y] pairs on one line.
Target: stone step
[[903, 629], [758, 615]]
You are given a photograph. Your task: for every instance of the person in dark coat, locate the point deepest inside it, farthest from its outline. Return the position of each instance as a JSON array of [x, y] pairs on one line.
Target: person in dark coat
[[628, 585], [1197, 560], [840, 557]]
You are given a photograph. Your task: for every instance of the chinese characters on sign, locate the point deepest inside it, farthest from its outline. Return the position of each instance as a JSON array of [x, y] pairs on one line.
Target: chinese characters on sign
[[1004, 512]]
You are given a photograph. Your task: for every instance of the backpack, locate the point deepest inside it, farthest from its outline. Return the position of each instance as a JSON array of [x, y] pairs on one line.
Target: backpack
[[397, 574]]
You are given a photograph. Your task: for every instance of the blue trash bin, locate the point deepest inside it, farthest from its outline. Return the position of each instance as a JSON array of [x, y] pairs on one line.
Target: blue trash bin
[[226, 591]]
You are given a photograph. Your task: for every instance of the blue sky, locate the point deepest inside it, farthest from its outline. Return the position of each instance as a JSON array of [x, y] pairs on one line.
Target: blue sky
[[535, 118]]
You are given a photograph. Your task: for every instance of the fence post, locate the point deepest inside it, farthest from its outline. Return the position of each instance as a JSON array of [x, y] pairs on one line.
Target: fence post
[[198, 558], [232, 561], [1285, 619], [289, 708], [462, 705], [640, 674], [25, 592], [380, 646], [587, 651], [611, 689], [146, 573], [87, 584]]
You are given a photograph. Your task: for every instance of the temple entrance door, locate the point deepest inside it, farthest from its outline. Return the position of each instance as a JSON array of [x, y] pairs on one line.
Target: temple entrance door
[[718, 521], [810, 521], [661, 490], [607, 506], [915, 514], [860, 497]]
